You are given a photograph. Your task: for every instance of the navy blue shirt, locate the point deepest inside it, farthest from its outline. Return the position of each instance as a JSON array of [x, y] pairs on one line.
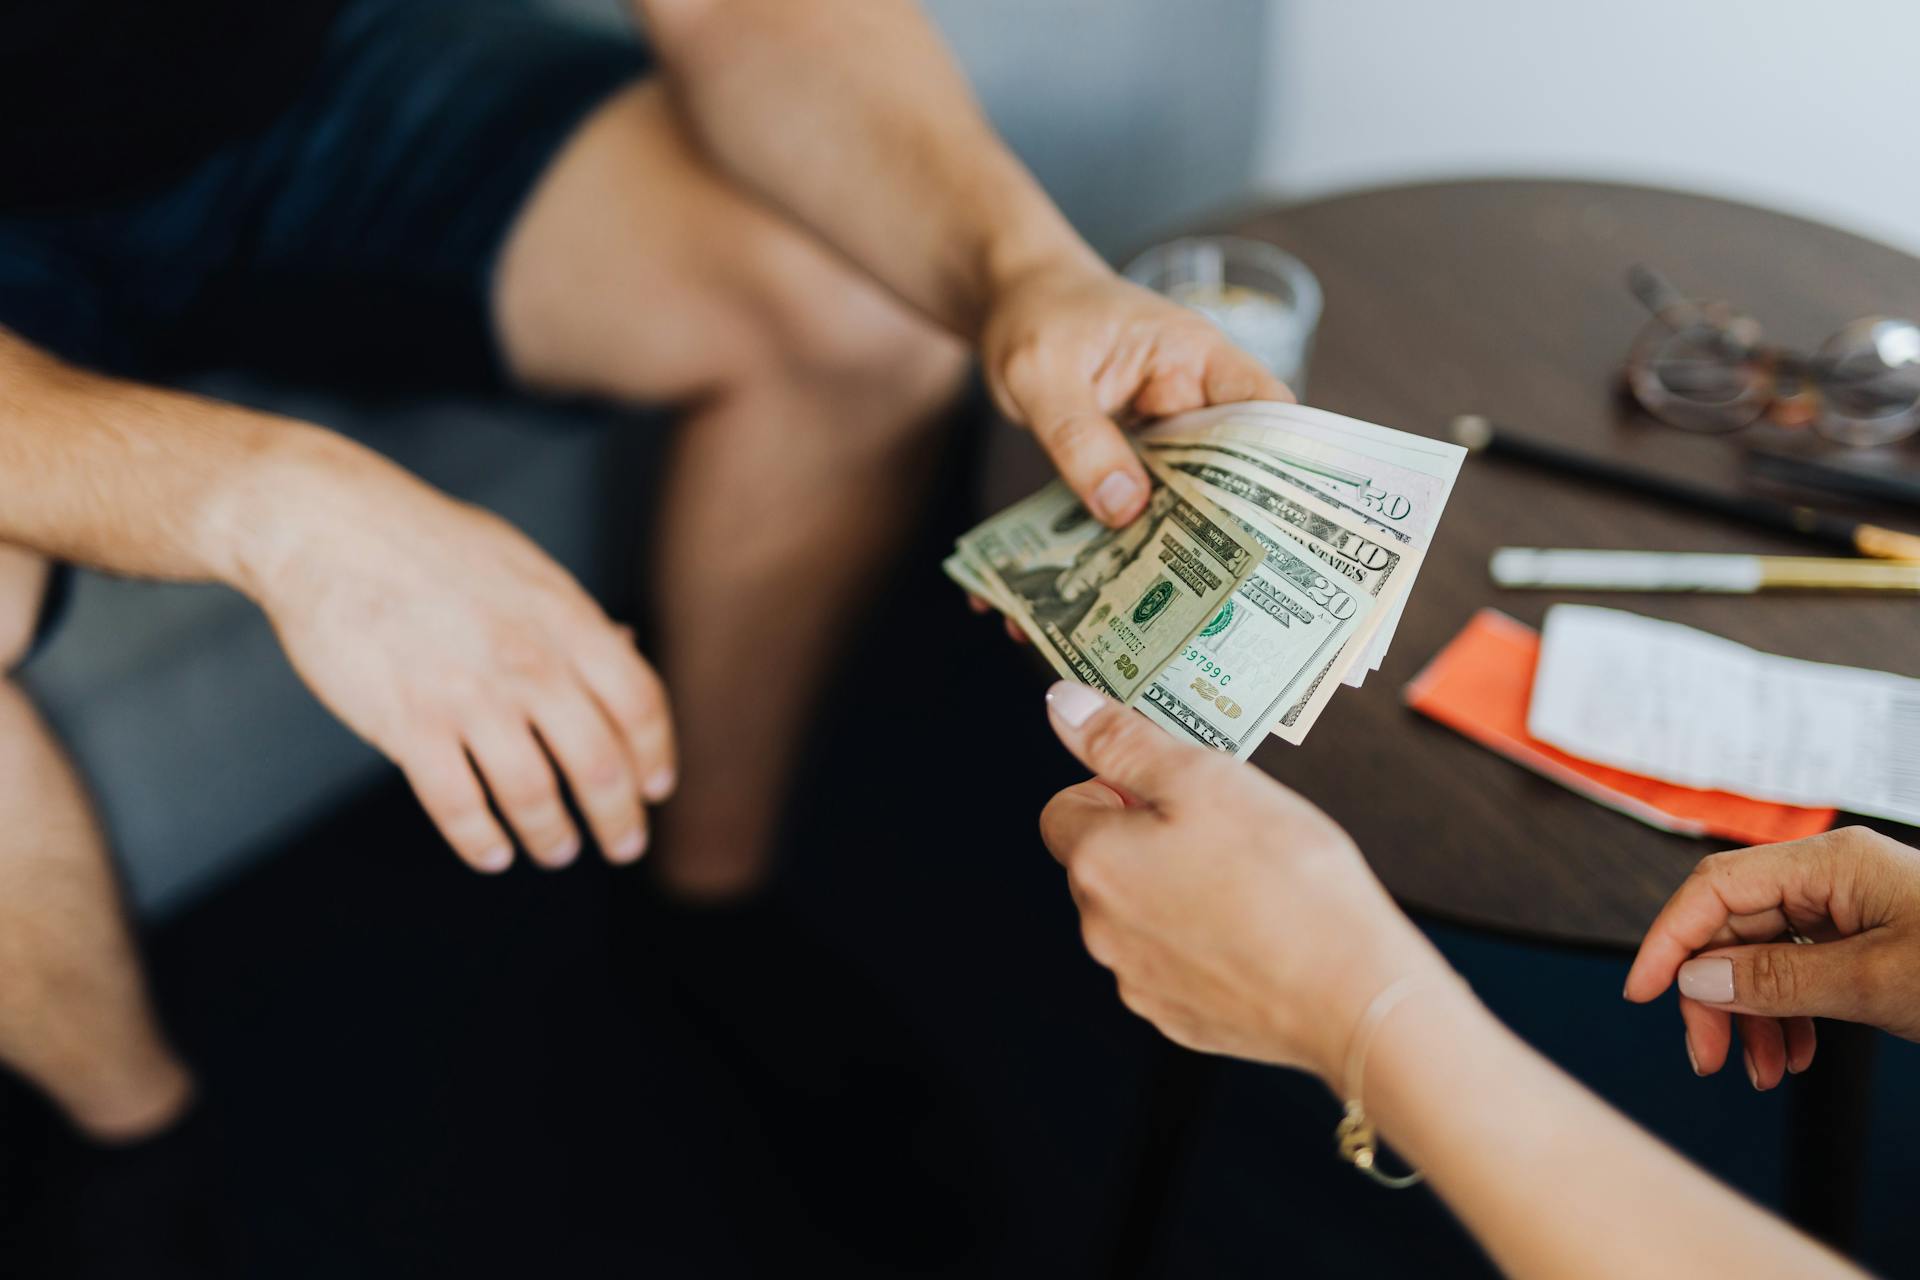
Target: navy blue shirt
[[101, 99]]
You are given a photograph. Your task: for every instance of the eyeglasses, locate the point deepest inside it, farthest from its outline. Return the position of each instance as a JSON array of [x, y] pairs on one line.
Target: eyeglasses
[[1702, 366]]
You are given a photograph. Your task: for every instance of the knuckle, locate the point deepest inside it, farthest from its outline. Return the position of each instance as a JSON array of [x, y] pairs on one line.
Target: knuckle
[[588, 753], [650, 725], [529, 797], [1142, 1004], [427, 724], [1873, 844], [1087, 876], [633, 695], [1099, 943], [1721, 866], [460, 816], [1772, 979], [639, 703], [605, 775], [519, 653], [447, 796], [1021, 365], [1075, 434], [1050, 833], [1115, 742]]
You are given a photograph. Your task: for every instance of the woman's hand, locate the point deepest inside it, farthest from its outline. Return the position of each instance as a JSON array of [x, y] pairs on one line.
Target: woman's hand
[[1237, 917], [1069, 344], [1726, 936]]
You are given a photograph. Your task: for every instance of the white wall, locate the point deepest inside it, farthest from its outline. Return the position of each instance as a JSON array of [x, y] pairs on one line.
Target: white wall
[[1810, 108]]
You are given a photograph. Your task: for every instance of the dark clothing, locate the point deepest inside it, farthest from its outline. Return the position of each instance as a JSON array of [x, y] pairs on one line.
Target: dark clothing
[[99, 98], [354, 231], [349, 235]]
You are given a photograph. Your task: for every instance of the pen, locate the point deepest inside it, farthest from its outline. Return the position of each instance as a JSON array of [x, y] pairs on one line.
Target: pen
[[1482, 436], [1694, 571], [1813, 473]]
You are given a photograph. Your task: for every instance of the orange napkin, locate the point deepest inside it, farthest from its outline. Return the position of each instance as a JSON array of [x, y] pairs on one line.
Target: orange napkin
[[1480, 685]]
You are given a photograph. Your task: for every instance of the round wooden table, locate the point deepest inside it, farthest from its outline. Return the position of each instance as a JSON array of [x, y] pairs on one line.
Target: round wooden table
[[1508, 299]]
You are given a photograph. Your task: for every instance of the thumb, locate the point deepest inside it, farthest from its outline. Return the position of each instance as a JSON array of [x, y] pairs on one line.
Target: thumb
[[1120, 745], [1087, 447], [1781, 979], [1075, 813]]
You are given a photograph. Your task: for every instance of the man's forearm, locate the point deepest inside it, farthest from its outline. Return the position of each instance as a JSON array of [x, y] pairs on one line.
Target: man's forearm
[[852, 117], [139, 480]]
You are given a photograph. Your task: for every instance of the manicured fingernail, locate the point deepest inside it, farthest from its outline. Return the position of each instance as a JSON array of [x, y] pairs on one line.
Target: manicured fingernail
[[1708, 980], [498, 858], [1114, 496], [564, 852], [1073, 703], [629, 846], [1753, 1077], [1691, 1060], [660, 784]]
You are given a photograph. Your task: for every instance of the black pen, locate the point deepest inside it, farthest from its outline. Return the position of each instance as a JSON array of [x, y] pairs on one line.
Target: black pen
[[1482, 436], [1813, 473]]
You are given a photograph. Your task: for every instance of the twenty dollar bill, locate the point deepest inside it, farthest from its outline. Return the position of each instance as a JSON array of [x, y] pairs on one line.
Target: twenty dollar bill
[[1110, 607]]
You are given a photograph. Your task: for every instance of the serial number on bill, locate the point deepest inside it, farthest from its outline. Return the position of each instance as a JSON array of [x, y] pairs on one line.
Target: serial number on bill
[[1205, 667]]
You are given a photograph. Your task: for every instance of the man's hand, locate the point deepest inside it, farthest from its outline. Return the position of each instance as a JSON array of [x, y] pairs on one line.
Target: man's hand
[[448, 640], [1725, 936], [1068, 346], [855, 122], [1237, 917]]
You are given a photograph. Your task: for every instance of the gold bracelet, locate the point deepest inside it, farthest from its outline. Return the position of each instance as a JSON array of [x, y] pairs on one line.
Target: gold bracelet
[[1358, 1143]]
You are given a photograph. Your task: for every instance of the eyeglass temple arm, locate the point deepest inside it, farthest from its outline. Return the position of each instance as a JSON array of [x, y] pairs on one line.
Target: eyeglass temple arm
[[1659, 296], [1680, 313]]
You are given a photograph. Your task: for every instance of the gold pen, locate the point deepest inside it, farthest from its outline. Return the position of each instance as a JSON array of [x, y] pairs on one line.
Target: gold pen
[[1571, 570]]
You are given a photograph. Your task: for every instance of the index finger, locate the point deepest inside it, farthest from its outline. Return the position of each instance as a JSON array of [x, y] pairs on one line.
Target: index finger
[[1743, 882], [1234, 375], [1087, 447]]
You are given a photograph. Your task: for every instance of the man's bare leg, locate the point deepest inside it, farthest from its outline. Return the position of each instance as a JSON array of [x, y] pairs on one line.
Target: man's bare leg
[[638, 273], [75, 1019]]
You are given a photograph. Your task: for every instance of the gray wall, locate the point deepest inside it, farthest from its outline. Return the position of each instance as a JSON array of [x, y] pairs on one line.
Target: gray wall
[[1807, 108]]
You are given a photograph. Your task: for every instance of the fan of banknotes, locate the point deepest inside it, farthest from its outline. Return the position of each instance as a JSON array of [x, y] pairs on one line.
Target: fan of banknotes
[[1269, 568]]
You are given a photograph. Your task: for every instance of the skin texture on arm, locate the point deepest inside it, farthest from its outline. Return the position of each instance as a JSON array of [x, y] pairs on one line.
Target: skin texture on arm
[[123, 477], [1239, 919], [434, 630], [852, 117], [849, 116]]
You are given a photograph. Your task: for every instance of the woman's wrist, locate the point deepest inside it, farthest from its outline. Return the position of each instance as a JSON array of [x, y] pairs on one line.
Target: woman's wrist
[[1413, 1052], [1406, 969]]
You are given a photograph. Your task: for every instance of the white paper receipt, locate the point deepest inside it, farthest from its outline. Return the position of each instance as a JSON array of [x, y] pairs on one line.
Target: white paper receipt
[[1670, 702]]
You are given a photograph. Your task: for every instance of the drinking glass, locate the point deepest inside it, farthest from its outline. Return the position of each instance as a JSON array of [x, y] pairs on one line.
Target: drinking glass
[[1261, 296]]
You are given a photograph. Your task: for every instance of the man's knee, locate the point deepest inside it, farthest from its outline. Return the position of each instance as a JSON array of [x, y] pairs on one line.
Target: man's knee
[[833, 329], [23, 585]]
